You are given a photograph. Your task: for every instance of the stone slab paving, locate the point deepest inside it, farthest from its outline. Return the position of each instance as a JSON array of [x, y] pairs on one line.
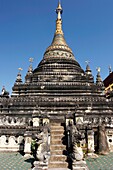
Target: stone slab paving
[[59, 169], [101, 163], [14, 161]]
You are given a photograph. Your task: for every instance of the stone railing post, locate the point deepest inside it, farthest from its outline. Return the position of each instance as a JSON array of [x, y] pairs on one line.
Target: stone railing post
[[90, 138], [27, 145]]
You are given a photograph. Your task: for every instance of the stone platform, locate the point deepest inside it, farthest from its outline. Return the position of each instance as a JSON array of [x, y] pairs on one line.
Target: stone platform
[[101, 163]]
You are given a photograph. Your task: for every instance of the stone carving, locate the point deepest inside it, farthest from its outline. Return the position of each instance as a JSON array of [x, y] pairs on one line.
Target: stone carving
[[8, 120], [103, 144], [3, 140], [74, 142], [76, 135], [77, 152], [8, 143], [43, 145], [12, 141]]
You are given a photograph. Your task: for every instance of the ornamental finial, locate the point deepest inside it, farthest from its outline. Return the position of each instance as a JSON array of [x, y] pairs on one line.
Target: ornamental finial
[[59, 10], [19, 78], [30, 69], [59, 19]]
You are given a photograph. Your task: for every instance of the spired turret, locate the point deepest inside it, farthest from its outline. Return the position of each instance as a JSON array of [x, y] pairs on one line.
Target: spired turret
[[19, 77]]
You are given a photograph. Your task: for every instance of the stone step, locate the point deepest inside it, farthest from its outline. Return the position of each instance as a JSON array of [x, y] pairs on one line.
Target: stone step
[[57, 159], [58, 164], [57, 132], [56, 142], [57, 147], [57, 128], [54, 158], [57, 137], [55, 124], [56, 152]]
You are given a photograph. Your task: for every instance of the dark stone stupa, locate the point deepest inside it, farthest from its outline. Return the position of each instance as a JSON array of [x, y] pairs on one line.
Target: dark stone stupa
[[56, 95]]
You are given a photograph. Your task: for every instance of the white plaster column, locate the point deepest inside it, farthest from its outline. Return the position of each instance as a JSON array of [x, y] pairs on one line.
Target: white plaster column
[[27, 145], [90, 135]]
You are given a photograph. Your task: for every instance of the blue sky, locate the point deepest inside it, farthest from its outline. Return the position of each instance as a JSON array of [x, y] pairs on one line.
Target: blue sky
[[27, 28]]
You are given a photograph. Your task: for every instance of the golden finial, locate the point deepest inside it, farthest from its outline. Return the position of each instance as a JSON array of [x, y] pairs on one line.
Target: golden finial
[[59, 10], [59, 19]]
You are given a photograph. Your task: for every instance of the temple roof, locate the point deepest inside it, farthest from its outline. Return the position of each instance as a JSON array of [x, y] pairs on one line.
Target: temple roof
[[108, 80]]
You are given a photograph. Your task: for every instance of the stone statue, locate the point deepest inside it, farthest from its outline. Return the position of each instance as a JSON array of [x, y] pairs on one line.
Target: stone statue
[[102, 143], [77, 152], [76, 135], [43, 146]]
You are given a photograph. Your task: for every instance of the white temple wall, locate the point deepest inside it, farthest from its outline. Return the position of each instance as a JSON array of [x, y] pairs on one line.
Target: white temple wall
[[109, 134], [11, 143]]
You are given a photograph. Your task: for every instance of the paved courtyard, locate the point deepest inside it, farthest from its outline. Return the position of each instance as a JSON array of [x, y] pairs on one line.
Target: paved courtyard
[[101, 163], [15, 161]]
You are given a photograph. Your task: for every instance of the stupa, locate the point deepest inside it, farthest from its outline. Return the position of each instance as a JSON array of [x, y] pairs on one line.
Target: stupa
[[58, 96]]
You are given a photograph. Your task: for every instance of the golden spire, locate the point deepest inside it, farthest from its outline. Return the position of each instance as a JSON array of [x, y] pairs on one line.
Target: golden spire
[[59, 19], [59, 42]]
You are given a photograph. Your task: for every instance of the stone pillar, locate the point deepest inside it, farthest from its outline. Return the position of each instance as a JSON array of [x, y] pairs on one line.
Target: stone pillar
[[27, 145], [90, 138]]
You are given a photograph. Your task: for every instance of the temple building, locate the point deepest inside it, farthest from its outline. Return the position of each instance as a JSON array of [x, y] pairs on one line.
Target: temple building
[[108, 83], [60, 105]]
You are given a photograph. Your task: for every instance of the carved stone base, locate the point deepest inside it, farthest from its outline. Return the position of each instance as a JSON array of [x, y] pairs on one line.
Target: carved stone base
[[27, 155], [79, 165], [92, 155], [40, 166]]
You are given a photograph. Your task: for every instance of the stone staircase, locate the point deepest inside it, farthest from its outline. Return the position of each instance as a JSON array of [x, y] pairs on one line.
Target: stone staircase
[[57, 159]]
